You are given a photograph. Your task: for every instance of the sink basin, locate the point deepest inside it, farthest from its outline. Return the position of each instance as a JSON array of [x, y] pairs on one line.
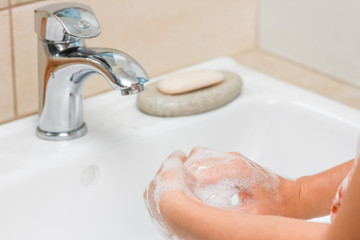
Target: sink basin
[[91, 187]]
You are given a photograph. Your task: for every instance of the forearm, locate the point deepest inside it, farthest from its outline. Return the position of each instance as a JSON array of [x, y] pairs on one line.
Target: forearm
[[257, 215], [316, 192], [189, 219]]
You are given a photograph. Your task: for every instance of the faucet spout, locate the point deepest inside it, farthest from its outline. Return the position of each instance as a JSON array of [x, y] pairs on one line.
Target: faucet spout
[[122, 72], [64, 63]]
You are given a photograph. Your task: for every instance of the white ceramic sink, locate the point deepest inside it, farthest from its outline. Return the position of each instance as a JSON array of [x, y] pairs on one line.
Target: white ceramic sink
[[91, 188]]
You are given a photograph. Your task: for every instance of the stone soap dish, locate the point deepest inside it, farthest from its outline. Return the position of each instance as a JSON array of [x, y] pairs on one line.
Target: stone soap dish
[[153, 102]]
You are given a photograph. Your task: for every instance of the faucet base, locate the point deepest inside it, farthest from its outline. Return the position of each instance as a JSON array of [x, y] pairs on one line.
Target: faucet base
[[61, 136]]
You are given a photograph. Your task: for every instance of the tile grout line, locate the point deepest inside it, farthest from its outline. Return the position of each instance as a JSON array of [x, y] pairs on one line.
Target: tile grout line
[[257, 24], [12, 58]]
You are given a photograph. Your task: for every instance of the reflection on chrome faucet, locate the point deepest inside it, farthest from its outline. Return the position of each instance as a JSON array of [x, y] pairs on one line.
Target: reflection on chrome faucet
[[64, 62]]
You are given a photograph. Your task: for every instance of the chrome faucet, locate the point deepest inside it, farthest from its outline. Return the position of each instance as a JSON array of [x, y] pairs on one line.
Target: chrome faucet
[[64, 63]]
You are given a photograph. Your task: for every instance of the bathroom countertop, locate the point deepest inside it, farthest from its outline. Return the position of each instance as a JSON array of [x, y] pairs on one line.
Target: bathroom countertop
[[301, 76]]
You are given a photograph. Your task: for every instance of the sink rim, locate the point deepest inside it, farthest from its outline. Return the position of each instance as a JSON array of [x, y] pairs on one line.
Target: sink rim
[[113, 125]]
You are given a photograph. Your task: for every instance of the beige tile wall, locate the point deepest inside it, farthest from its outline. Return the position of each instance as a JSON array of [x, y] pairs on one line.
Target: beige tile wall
[[301, 76], [7, 108], [3, 4], [162, 35], [19, 2]]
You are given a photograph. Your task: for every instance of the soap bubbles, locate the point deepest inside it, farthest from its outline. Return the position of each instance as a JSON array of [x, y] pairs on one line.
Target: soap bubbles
[[223, 180], [228, 180]]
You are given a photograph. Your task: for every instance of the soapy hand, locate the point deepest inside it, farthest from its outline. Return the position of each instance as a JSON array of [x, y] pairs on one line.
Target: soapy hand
[[223, 180], [232, 181], [171, 177]]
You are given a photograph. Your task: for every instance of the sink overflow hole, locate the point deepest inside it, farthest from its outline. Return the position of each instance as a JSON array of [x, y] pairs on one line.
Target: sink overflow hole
[[90, 176]]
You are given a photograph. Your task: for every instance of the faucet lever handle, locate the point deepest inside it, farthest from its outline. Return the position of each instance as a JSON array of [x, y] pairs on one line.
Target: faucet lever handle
[[64, 22]]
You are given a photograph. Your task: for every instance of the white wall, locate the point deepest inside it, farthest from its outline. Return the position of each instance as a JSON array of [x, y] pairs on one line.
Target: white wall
[[322, 34]]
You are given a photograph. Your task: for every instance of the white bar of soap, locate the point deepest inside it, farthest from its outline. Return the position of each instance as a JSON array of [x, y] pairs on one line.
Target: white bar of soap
[[189, 81]]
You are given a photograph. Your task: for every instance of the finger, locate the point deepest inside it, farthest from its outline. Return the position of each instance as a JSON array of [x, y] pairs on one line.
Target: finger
[[236, 154], [196, 150], [207, 154], [176, 156], [145, 194], [150, 201], [241, 156], [202, 158], [179, 154], [172, 173]]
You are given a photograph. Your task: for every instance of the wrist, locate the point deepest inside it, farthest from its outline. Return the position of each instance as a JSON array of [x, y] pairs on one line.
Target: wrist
[[175, 206], [290, 197]]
